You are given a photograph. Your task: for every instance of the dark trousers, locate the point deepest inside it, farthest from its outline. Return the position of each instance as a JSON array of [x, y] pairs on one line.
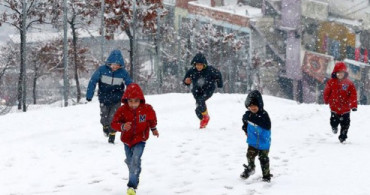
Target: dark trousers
[[107, 113], [201, 106], [252, 153], [342, 119]]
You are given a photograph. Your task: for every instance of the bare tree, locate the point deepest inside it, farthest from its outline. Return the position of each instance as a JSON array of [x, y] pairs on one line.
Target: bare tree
[[22, 15], [81, 13]]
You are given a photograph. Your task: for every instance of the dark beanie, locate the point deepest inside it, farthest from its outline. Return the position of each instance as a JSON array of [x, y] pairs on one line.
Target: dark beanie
[[199, 58]]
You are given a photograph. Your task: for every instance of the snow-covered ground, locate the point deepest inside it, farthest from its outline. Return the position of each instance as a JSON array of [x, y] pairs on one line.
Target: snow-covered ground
[[63, 151]]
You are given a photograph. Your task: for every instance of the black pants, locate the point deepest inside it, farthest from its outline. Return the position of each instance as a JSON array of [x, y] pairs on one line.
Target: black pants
[[201, 106], [342, 119]]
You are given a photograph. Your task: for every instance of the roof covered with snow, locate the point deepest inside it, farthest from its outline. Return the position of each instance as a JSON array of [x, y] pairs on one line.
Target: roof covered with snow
[[48, 36], [231, 7]]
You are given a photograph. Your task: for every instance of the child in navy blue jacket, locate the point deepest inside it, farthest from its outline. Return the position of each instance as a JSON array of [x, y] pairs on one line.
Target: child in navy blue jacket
[[257, 127], [111, 79]]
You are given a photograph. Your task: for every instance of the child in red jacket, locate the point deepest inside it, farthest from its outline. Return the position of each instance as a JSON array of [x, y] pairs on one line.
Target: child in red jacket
[[134, 120], [340, 93]]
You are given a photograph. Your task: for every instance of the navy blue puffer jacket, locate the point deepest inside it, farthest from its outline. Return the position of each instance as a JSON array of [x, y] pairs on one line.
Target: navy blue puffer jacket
[[111, 83]]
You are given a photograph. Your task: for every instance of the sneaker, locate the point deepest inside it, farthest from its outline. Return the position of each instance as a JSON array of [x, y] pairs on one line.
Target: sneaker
[[204, 121], [131, 191], [106, 130], [247, 172], [111, 138], [267, 178], [334, 129]]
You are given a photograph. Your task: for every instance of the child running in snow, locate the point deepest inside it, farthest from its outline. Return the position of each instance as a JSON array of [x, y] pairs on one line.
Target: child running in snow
[[204, 79], [257, 127], [134, 119], [340, 93], [111, 79]]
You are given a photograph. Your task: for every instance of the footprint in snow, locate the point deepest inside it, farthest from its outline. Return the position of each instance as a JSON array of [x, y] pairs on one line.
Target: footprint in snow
[[229, 187], [95, 181]]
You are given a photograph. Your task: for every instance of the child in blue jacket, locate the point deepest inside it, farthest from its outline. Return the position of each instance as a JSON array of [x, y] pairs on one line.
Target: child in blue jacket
[[257, 127], [111, 79]]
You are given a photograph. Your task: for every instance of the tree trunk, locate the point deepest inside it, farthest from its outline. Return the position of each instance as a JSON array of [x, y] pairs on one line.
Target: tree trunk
[[20, 79], [65, 55], [34, 88], [131, 37], [74, 42]]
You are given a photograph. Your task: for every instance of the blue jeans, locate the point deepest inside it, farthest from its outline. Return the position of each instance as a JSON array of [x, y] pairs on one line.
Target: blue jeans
[[133, 161]]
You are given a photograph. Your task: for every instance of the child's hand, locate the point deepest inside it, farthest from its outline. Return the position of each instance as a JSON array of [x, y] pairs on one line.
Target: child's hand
[[127, 126], [155, 133], [188, 81]]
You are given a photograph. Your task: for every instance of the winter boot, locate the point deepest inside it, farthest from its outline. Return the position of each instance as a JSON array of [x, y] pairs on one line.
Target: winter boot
[[131, 191], [106, 130], [342, 138], [205, 120], [343, 135], [111, 138], [334, 129], [267, 178], [248, 171]]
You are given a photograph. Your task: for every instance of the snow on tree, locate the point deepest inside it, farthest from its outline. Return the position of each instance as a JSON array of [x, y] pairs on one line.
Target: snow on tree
[[81, 14], [9, 56], [22, 15], [225, 50], [131, 17]]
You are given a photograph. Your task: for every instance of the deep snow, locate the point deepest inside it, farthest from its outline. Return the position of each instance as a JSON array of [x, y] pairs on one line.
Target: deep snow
[[54, 150]]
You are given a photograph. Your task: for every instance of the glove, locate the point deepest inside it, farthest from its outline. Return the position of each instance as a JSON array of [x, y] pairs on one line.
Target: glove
[[88, 99], [354, 109]]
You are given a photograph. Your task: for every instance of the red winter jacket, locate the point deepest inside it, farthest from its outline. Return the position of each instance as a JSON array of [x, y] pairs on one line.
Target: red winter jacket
[[142, 118], [341, 95]]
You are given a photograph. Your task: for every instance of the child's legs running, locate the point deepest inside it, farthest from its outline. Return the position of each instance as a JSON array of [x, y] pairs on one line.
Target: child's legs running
[[104, 115], [265, 162], [128, 159], [112, 110], [334, 120], [251, 155], [201, 106], [134, 163], [344, 124]]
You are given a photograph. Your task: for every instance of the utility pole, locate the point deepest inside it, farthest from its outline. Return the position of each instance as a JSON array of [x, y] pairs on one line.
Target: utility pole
[[249, 67], [102, 30], [65, 55], [133, 60], [24, 54], [158, 54]]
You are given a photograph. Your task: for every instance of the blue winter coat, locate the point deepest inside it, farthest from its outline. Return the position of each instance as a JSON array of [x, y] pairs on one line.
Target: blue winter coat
[[258, 137], [257, 125], [111, 84]]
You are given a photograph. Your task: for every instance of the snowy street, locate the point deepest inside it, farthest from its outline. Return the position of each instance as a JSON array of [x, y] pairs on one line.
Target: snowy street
[[53, 150]]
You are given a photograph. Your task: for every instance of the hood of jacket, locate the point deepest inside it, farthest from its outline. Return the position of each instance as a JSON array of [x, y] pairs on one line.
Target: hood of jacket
[[133, 91], [339, 66], [254, 97], [115, 57], [199, 58]]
